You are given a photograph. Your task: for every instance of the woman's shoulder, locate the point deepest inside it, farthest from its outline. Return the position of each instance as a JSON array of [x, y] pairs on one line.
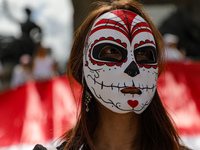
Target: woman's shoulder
[[40, 147]]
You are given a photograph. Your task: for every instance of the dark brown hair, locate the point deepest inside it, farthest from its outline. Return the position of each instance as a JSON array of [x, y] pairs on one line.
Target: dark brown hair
[[156, 128]]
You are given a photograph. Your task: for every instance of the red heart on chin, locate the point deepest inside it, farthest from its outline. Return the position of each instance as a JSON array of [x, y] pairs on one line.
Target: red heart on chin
[[132, 103]]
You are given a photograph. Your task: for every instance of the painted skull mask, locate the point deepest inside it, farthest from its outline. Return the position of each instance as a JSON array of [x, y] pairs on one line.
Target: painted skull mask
[[120, 62]]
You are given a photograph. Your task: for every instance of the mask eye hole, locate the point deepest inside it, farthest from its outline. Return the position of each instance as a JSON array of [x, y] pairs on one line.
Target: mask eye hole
[[146, 55], [110, 52]]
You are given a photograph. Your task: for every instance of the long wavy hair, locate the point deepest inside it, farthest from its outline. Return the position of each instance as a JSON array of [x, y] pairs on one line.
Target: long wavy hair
[[156, 130]]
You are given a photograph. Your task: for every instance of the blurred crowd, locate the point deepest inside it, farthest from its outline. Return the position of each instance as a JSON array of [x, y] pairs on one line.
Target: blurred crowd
[[25, 58], [39, 67]]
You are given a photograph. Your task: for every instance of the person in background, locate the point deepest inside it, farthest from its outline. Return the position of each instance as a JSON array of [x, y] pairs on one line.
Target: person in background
[[22, 71], [171, 43], [43, 64], [1, 72], [116, 57]]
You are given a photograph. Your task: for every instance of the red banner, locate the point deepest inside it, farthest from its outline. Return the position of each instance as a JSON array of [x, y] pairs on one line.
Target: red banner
[[38, 112], [179, 88]]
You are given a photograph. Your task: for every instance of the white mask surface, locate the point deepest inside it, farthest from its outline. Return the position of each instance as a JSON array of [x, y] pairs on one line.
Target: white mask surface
[[120, 62]]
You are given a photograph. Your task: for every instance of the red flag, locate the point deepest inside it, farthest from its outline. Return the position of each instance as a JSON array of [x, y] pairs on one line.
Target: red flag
[[43, 111], [179, 89], [37, 112]]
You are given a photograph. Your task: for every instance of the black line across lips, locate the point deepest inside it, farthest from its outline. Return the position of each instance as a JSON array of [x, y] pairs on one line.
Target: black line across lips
[[131, 90]]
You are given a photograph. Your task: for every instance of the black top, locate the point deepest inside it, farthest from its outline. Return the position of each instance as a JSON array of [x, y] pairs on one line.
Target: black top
[[40, 147], [62, 146]]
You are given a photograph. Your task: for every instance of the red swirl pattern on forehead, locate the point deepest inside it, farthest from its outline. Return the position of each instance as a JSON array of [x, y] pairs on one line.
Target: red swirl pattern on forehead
[[111, 22], [107, 63], [124, 26], [139, 25]]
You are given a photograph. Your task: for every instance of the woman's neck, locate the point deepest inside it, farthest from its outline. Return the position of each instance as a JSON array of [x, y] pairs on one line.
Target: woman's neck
[[116, 131]]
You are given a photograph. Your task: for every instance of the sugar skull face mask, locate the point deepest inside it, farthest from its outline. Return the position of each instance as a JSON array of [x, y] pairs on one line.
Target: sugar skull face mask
[[120, 62]]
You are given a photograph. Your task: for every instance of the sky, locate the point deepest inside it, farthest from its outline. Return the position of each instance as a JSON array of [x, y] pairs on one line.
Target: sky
[[55, 17]]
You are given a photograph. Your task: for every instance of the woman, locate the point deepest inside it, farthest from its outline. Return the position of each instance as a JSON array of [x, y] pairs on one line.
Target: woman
[[117, 56]]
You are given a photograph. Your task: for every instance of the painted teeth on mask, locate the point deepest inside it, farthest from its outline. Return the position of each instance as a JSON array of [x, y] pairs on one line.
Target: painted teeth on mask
[[118, 87], [102, 85], [147, 88], [112, 86], [125, 89]]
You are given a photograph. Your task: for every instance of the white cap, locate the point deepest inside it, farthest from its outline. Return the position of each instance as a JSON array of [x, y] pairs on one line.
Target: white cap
[[170, 38]]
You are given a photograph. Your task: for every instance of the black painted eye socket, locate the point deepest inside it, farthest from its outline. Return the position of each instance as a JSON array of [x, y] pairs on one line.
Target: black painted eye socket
[[146, 55], [109, 52]]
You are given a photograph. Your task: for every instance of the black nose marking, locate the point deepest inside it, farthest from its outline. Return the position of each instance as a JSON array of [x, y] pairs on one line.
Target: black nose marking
[[132, 69]]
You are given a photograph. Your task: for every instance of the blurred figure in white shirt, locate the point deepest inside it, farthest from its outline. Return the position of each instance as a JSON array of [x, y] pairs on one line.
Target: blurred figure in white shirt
[[22, 71], [1, 72], [171, 51], [43, 64]]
